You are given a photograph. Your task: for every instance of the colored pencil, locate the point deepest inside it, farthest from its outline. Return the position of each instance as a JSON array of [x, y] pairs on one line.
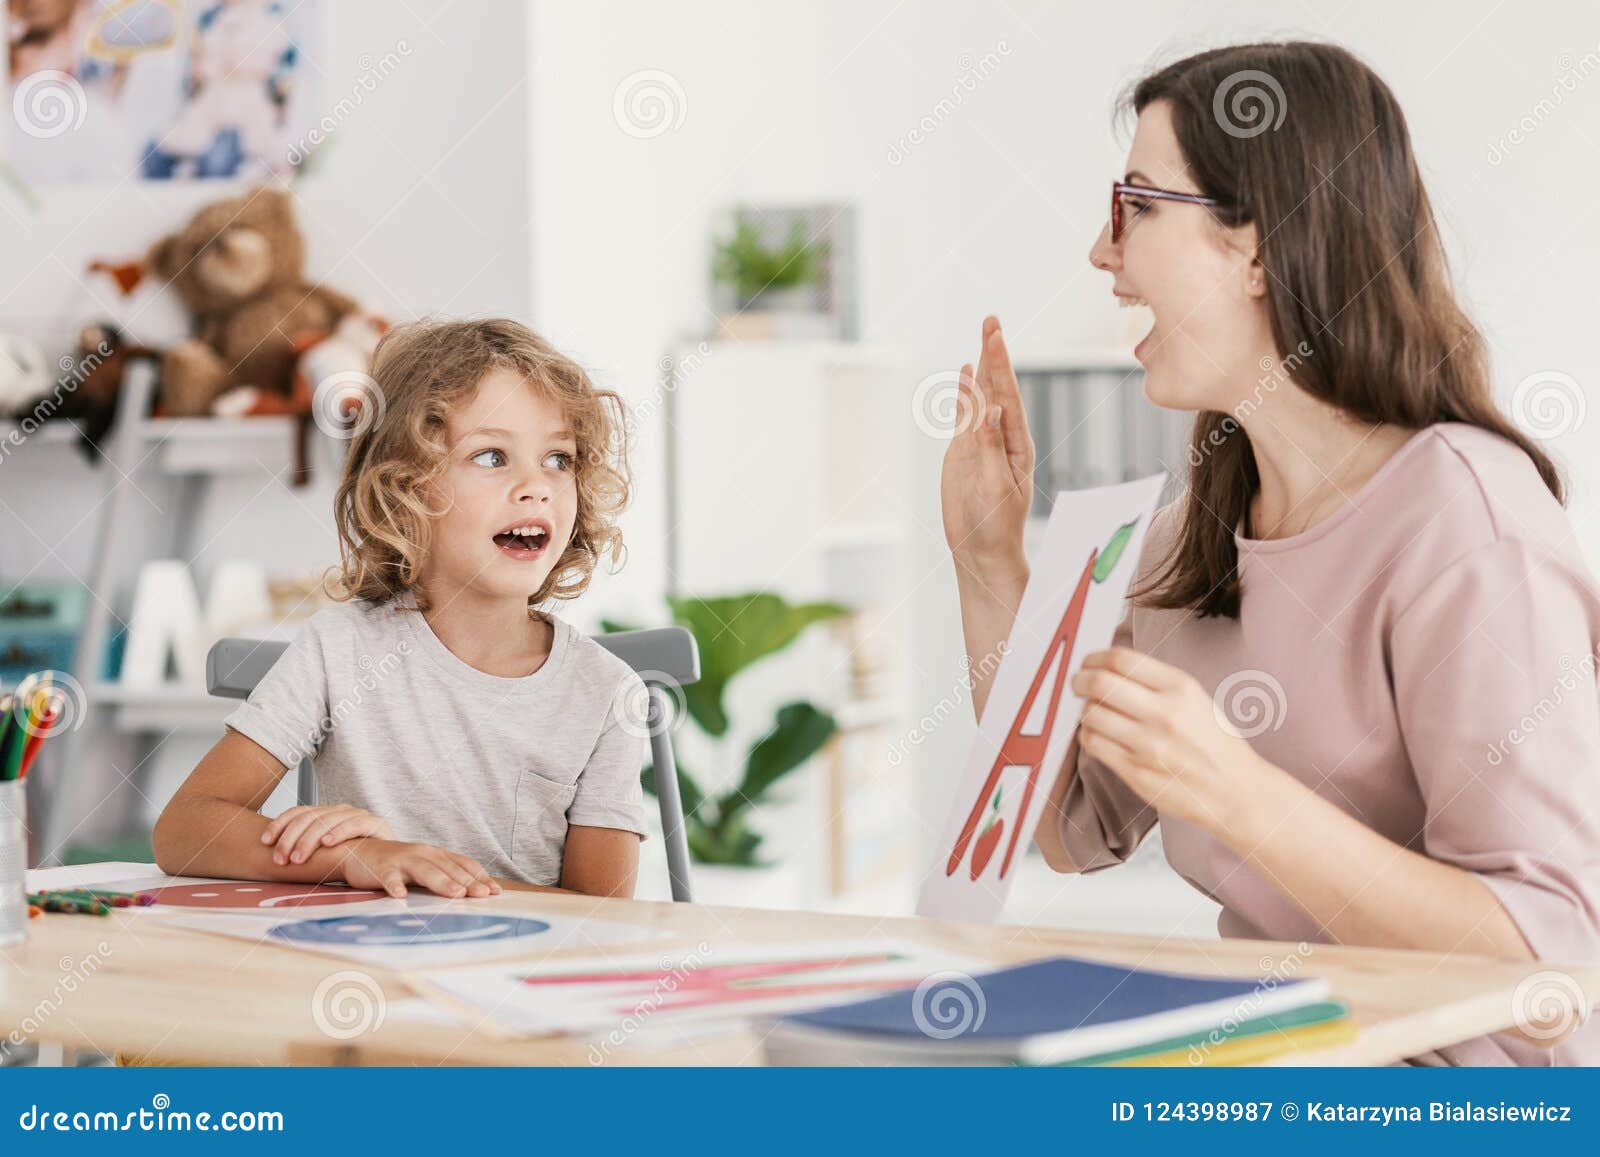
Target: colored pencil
[[21, 719], [13, 757], [8, 725], [46, 726], [70, 905], [100, 895], [42, 703], [72, 894], [30, 751], [27, 718], [115, 899]]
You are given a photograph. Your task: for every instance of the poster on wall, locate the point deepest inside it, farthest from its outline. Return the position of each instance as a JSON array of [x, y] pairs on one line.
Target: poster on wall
[[1072, 605], [109, 90]]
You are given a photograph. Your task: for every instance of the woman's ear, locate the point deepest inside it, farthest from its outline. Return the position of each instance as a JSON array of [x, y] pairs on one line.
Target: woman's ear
[[1255, 280], [1245, 243]]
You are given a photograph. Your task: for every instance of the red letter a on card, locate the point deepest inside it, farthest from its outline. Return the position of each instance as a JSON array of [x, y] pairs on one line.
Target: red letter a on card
[[1027, 749]]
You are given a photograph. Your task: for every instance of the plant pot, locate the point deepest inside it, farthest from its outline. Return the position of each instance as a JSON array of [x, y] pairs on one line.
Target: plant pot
[[768, 886], [776, 325], [789, 299]]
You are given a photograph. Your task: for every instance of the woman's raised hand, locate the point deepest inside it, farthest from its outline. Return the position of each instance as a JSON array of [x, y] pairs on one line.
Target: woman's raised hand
[[986, 486]]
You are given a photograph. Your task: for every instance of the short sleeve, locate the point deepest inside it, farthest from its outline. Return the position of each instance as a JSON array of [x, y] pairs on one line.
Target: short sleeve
[[1494, 681], [609, 793], [1103, 819], [287, 713]]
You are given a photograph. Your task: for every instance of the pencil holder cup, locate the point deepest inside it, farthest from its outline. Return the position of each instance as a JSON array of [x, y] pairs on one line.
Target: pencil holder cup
[[13, 862]]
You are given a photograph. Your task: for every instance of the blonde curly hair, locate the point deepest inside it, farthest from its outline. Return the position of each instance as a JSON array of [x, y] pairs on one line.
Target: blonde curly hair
[[422, 371]]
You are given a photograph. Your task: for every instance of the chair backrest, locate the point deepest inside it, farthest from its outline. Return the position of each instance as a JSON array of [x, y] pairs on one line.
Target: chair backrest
[[235, 666], [662, 657]]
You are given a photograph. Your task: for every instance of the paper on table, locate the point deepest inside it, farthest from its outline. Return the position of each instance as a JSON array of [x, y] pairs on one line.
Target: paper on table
[[444, 932], [87, 875], [1072, 605], [197, 895], [679, 988]]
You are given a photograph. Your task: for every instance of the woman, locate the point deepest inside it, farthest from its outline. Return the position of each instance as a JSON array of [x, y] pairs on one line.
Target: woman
[[1365, 540]]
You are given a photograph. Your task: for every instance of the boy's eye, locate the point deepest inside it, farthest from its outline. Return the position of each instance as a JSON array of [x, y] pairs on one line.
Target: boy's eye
[[494, 458], [559, 460]]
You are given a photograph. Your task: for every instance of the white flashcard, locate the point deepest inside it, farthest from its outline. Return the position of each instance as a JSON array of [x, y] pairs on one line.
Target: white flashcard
[[1072, 606]]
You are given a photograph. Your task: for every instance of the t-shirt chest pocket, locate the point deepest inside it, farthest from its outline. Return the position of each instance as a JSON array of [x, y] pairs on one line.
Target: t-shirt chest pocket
[[539, 820]]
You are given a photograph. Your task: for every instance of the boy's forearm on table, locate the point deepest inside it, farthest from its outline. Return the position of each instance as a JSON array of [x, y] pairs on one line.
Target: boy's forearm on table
[[220, 839]]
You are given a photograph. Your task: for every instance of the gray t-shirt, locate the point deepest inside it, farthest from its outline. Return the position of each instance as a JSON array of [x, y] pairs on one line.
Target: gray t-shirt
[[489, 767]]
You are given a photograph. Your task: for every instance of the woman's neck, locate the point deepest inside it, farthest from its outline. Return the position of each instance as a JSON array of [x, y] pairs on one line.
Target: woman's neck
[[495, 635], [1311, 458]]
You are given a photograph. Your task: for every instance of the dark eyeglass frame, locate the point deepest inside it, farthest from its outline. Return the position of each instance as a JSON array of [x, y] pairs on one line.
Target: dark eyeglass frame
[[1120, 189]]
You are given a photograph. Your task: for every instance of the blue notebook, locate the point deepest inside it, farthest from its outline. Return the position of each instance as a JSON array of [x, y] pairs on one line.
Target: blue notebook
[[1044, 1012]]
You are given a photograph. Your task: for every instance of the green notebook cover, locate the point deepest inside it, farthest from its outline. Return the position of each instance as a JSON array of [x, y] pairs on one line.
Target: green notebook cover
[[1295, 1018]]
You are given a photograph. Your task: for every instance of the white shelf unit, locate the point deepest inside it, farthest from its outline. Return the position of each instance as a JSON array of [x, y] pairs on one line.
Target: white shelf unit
[[175, 707], [219, 445], [48, 434], [140, 451], [797, 445], [790, 470]]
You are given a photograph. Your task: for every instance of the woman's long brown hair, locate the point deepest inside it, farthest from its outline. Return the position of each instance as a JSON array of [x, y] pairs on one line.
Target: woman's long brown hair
[[1357, 273]]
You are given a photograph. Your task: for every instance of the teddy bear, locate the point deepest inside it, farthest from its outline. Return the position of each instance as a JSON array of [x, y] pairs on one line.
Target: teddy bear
[[331, 387], [238, 265]]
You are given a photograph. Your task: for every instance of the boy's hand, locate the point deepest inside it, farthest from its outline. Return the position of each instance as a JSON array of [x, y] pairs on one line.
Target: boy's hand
[[302, 830], [390, 865]]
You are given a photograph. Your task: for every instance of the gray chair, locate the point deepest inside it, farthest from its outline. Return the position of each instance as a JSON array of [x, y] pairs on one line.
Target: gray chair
[[663, 657]]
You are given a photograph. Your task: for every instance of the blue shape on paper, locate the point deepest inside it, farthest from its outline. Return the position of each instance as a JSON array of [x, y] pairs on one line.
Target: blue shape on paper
[[407, 929]]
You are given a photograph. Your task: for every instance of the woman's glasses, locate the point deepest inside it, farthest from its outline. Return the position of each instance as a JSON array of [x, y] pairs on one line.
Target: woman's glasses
[[1121, 189]]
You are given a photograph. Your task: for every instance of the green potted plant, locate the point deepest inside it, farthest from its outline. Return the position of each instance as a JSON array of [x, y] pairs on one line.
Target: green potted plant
[[733, 634], [765, 276]]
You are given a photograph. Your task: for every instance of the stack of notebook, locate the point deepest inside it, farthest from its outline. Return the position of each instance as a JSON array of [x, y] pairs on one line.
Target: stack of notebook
[[1065, 1011]]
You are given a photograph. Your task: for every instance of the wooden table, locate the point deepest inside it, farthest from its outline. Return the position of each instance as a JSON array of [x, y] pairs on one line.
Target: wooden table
[[176, 993]]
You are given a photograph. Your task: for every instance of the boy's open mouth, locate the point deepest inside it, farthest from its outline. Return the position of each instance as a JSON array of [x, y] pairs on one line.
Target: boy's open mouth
[[524, 540]]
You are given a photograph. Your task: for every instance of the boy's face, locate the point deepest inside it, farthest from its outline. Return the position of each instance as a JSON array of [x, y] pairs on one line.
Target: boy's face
[[510, 489]]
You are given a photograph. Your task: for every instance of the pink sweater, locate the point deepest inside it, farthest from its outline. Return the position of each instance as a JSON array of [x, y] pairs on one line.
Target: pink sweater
[[1425, 658]]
